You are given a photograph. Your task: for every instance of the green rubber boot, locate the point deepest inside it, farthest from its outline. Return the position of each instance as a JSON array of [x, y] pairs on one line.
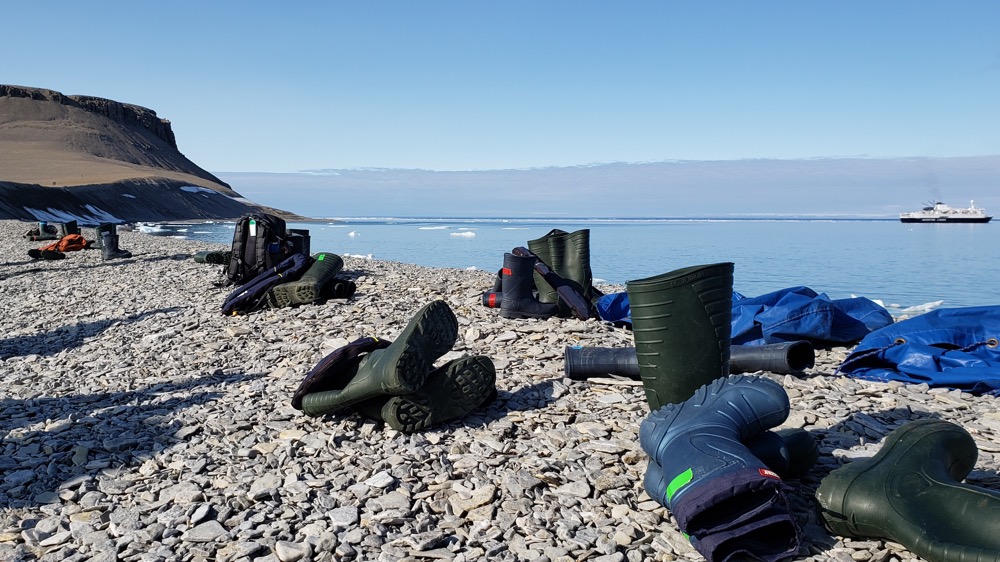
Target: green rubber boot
[[216, 257], [309, 287], [681, 325], [401, 368], [568, 255], [911, 492], [452, 391]]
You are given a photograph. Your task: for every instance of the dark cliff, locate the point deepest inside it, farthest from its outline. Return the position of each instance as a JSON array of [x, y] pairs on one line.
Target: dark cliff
[[100, 160]]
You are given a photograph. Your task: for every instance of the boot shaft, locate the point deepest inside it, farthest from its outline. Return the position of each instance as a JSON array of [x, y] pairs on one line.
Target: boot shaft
[[681, 323], [568, 255]]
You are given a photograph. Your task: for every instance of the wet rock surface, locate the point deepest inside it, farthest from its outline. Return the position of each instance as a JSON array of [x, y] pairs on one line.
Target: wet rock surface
[[140, 424]]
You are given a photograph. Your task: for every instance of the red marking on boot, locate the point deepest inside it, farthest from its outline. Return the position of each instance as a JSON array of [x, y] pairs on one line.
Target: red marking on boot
[[493, 300], [505, 271], [768, 473]]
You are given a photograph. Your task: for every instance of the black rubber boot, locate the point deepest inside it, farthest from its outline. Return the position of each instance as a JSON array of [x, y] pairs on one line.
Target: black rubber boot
[[728, 501], [100, 230], [338, 288], [681, 326], [580, 362], [492, 299], [309, 287], [518, 285], [400, 368], [568, 255], [451, 392], [911, 492], [110, 249]]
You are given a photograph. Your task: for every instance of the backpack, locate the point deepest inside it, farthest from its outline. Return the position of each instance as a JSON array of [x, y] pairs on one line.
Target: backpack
[[259, 243]]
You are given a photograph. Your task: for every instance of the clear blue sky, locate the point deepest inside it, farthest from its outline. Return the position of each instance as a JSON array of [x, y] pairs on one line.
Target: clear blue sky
[[466, 85]]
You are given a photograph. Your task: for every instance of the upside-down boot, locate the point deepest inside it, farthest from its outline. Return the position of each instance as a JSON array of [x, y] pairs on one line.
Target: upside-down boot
[[518, 299], [110, 249], [400, 368], [568, 255], [451, 392], [911, 492], [681, 326], [730, 503], [309, 287]]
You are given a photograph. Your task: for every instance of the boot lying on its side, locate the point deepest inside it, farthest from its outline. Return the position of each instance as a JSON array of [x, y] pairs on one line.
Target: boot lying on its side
[[911, 492]]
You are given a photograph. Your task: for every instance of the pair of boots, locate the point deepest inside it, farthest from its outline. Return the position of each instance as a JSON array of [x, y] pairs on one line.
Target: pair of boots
[[396, 381], [106, 240], [713, 462], [521, 292], [319, 282], [716, 467], [911, 492]]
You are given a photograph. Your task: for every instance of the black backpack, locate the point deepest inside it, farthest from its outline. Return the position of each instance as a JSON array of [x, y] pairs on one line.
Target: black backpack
[[260, 242]]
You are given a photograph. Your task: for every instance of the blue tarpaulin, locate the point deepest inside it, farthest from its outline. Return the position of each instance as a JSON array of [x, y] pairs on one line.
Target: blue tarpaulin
[[948, 347], [787, 315]]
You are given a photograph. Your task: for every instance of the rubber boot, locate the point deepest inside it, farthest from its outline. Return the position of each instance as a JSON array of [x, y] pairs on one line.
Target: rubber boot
[[518, 285], [452, 391], [787, 357], [568, 255], [492, 299], [309, 287], [216, 257], [338, 288], [110, 249], [730, 504], [911, 492], [581, 363], [104, 227], [400, 368], [790, 453], [681, 326]]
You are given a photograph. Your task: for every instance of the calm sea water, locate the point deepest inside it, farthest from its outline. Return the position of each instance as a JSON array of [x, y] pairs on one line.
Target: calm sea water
[[901, 265]]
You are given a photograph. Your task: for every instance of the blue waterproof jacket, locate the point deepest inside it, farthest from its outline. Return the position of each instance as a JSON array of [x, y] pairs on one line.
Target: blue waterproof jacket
[[949, 347], [787, 315]]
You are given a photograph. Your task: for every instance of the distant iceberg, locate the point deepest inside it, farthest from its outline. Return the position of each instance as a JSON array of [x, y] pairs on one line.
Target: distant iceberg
[[465, 234]]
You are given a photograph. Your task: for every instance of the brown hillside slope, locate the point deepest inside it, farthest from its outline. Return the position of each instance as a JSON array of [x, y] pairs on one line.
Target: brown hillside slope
[[100, 160]]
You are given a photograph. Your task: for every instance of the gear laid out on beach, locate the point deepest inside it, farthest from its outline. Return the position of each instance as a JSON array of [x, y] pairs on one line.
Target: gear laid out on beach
[[911, 492], [551, 277], [395, 381], [309, 287], [56, 250], [581, 363], [51, 231], [252, 296]]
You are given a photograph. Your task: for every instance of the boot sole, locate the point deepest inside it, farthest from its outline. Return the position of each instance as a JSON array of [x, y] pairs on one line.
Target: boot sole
[[429, 335], [463, 386], [296, 292]]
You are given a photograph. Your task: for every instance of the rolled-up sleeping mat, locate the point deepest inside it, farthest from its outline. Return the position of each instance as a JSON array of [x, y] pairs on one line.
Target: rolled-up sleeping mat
[[581, 362]]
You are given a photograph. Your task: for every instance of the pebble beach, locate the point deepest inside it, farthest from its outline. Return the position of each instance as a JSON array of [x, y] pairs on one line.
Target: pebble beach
[[140, 424]]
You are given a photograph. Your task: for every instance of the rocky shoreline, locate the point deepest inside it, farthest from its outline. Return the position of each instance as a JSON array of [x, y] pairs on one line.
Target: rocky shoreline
[[140, 424]]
